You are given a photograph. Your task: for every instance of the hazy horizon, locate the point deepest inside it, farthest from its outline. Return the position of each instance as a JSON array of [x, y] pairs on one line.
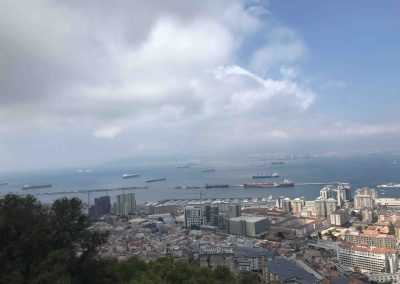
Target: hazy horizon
[[86, 83]]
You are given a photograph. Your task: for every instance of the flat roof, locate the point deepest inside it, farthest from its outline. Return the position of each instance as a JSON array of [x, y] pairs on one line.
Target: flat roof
[[287, 270], [248, 218]]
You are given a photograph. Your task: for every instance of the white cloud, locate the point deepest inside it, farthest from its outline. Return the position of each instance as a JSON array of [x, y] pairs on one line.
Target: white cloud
[[158, 70]]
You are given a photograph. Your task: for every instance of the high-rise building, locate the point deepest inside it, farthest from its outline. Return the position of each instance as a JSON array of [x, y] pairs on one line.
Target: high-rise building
[[126, 204], [194, 215], [102, 206], [331, 205], [235, 210], [364, 198], [286, 205], [341, 193], [339, 217], [320, 208], [211, 214]]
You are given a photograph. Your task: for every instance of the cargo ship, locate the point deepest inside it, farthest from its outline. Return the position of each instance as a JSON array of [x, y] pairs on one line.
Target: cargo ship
[[274, 175], [216, 185], [27, 186], [208, 170], [4, 183], [389, 185], [155, 179], [130, 175], [285, 183], [278, 163]]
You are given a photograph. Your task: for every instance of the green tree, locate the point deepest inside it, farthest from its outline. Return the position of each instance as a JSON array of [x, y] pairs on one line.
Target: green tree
[[392, 230], [247, 277]]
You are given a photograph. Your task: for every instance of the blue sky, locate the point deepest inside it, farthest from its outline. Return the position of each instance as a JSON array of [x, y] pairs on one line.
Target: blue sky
[[90, 82], [354, 42]]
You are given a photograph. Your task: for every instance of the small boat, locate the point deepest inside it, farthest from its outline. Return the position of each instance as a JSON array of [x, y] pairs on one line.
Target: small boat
[[27, 186], [155, 179], [125, 176], [274, 175]]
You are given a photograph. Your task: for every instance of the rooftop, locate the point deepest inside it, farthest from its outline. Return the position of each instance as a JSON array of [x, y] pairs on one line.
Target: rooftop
[[286, 269], [248, 218]]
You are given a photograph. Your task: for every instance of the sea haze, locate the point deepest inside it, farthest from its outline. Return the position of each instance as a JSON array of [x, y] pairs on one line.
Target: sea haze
[[360, 171]]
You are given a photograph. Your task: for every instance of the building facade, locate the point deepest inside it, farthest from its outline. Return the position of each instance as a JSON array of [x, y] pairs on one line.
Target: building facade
[[126, 204], [248, 226], [367, 259], [194, 215]]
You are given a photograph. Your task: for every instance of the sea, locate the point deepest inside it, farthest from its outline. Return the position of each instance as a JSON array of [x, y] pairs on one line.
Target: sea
[[360, 171]]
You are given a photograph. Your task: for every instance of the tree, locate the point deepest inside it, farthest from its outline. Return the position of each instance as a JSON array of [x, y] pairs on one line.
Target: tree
[[39, 243], [392, 229], [319, 235], [247, 277]]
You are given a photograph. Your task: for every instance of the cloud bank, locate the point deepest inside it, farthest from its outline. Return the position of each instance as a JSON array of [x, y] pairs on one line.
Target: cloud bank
[[190, 76]]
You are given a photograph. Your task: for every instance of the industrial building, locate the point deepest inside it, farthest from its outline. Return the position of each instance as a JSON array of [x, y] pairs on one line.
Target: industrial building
[[248, 226]]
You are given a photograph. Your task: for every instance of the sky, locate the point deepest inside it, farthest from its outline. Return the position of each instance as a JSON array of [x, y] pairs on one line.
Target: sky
[[86, 82]]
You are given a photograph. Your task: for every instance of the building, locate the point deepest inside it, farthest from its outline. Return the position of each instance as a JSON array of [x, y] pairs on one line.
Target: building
[[330, 206], [324, 207], [287, 271], [286, 206], [235, 210], [368, 259], [364, 198], [367, 215], [385, 277], [102, 206], [194, 216], [297, 205], [341, 193], [211, 213], [339, 217], [372, 238], [165, 209], [308, 209], [248, 226], [126, 204], [253, 259]]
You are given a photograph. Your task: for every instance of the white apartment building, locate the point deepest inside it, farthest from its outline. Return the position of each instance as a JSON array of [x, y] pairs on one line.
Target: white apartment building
[[367, 259]]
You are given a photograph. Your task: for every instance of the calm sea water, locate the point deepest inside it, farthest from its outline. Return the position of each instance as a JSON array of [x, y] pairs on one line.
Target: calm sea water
[[359, 171]]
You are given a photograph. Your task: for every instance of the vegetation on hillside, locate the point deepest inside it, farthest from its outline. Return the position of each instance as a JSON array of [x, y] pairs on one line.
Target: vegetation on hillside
[[53, 245]]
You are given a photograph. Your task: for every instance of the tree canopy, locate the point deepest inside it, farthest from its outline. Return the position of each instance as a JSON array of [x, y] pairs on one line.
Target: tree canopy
[[53, 245]]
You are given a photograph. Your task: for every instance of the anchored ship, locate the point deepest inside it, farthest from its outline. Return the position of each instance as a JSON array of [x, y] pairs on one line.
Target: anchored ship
[[155, 179], [274, 175], [4, 183], [216, 185], [130, 175], [208, 170], [389, 185], [278, 163], [27, 186], [285, 183]]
